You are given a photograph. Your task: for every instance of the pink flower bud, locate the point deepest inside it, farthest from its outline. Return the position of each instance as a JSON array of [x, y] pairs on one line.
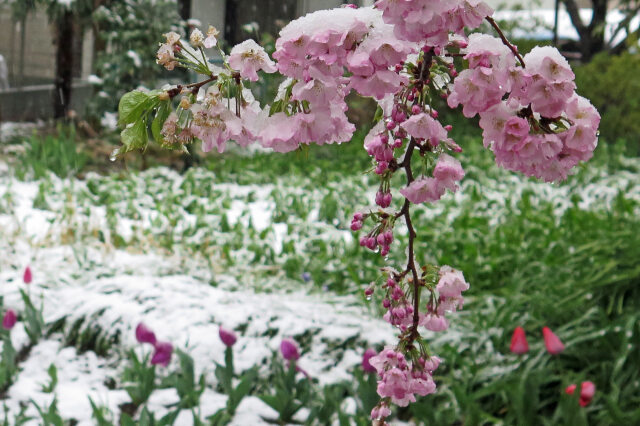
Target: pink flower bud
[[397, 143], [358, 216], [387, 199], [410, 97], [366, 366], [434, 113], [363, 241], [416, 109], [369, 290], [569, 390], [391, 282], [145, 335], [384, 251], [384, 138], [552, 342], [289, 350], [228, 337], [448, 127], [381, 239], [162, 354], [386, 303], [388, 236], [397, 293], [519, 343], [27, 277], [391, 125], [371, 243], [382, 167], [356, 225], [9, 319]]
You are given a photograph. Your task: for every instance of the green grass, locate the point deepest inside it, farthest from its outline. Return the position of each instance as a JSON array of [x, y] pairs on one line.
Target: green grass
[[534, 256]]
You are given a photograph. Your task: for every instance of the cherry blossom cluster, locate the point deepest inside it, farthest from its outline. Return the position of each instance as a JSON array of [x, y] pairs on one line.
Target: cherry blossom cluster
[[402, 379], [406, 54], [531, 117]]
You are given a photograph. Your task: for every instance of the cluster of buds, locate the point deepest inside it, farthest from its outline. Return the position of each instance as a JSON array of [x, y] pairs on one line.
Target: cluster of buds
[[381, 236], [162, 351]]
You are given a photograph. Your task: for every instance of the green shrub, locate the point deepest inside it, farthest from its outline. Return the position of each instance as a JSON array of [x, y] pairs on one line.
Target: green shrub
[[613, 86]]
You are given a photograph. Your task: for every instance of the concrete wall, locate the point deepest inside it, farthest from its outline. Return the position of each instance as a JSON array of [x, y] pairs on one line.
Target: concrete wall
[[32, 103], [209, 12], [39, 55]]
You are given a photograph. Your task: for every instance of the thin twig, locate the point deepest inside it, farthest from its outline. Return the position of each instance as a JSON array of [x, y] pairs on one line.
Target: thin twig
[[504, 40]]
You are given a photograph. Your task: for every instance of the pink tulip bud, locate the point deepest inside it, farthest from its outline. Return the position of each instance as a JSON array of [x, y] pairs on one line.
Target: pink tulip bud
[[519, 343], [144, 334], [228, 337], [552, 342], [162, 354], [9, 319], [289, 350], [27, 277], [366, 366]]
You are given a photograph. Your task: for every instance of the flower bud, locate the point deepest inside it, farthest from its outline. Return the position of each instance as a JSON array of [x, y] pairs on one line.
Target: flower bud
[[228, 337], [144, 334], [9, 319], [27, 277], [184, 103], [289, 350], [416, 109], [356, 225], [162, 354]]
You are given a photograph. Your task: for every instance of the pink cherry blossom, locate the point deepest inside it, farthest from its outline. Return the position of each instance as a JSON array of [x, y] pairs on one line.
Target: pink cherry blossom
[[248, 57], [426, 189]]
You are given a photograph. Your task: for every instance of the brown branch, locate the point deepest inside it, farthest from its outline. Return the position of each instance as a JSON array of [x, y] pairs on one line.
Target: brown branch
[[506, 42], [411, 266], [193, 86]]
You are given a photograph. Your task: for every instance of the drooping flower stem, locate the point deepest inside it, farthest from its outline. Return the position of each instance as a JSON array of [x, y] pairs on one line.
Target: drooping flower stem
[[411, 265]]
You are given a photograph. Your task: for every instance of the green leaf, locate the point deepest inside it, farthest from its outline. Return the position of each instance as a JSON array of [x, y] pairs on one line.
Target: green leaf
[[132, 105], [162, 112], [135, 136]]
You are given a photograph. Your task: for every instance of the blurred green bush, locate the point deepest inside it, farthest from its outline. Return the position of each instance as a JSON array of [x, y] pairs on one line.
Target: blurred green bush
[[612, 83]]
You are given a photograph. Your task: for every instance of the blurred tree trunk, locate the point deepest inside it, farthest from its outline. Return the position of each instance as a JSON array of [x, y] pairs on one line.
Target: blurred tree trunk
[[592, 34], [64, 64], [184, 9]]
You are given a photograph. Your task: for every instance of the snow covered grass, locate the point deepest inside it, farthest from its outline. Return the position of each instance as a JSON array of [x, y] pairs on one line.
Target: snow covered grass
[[244, 244]]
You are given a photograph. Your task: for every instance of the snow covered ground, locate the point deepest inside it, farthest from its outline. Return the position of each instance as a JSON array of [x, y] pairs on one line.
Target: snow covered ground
[[186, 254]]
